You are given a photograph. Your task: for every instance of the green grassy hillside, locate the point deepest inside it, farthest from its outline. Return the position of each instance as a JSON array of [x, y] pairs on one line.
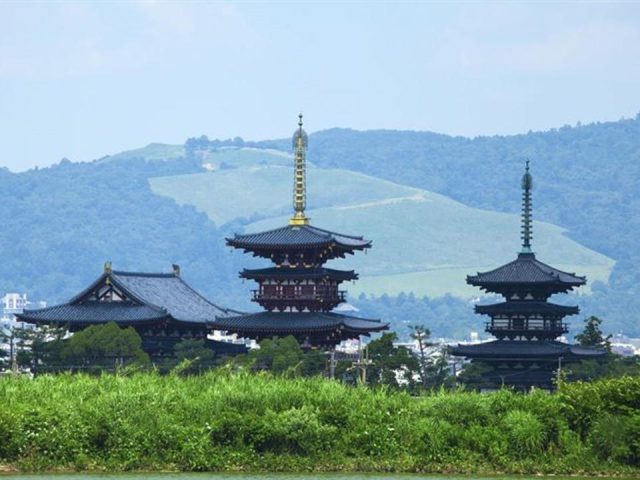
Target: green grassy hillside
[[424, 242]]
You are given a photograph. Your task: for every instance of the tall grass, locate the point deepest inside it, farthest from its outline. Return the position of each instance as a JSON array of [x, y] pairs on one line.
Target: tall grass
[[220, 421]]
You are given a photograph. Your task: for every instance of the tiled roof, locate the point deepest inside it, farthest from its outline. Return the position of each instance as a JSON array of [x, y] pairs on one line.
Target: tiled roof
[[526, 269], [525, 349], [95, 312], [526, 307], [171, 293], [297, 236], [152, 296], [299, 273], [297, 322]]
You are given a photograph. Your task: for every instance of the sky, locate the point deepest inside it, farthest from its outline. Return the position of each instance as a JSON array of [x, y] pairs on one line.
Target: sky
[[86, 79]]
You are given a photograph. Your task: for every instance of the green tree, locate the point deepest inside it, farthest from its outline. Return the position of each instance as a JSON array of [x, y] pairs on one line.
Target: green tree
[[392, 365], [39, 348], [421, 334], [103, 346], [592, 335], [282, 355], [196, 353]]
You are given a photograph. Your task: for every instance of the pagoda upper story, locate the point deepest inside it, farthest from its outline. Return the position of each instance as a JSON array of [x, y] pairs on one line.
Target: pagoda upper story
[[526, 285], [298, 291], [298, 281]]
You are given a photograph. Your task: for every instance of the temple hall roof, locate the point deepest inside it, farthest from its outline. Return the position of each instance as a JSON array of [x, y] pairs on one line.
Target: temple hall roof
[[145, 297], [95, 312]]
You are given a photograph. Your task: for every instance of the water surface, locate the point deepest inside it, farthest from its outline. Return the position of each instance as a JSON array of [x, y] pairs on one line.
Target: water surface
[[263, 476]]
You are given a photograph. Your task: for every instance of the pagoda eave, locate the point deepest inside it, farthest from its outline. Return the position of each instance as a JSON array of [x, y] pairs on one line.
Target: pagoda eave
[[527, 308], [509, 350], [298, 322], [284, 273]]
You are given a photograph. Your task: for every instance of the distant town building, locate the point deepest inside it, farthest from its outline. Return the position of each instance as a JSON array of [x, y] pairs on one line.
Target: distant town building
[[298, 293], [526, 325], [13, 303]]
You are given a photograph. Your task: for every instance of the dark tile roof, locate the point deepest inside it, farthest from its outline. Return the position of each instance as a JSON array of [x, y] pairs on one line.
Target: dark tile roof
[[299, 273], [298, 322], [516, 349], [152, 296], [526, 307], [95, 312], [526, 269], [297, 236], [171, 293]]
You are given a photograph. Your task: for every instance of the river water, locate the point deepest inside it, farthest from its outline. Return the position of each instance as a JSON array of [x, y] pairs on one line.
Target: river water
[[256, 476]]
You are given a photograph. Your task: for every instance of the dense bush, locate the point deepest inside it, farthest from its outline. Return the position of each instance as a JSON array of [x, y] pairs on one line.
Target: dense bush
[[222, 421]]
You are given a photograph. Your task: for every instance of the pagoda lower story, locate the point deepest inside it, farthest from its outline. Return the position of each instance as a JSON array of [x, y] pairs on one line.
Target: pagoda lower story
[[311, 329], [521, 364]]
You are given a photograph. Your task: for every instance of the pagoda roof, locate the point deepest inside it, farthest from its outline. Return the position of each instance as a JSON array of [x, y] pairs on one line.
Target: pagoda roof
[[298, 273], [521, 349], [526, 269], [526, 307], [146, 297], [286, 323], [297, 236]]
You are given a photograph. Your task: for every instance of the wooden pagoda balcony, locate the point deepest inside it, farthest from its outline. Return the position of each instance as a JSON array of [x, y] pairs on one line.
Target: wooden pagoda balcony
[[300, 302], [329, 297], [527, 327]]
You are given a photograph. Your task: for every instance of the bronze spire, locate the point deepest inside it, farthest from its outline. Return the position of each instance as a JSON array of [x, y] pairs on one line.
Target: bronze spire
[[299, 181], [527, 222]]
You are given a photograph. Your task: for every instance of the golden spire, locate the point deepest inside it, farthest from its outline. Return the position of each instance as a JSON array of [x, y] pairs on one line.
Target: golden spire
[[299, 180]]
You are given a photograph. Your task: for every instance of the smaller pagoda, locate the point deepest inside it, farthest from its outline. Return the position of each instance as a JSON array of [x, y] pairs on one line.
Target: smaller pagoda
[[526, 325], [298, 293]]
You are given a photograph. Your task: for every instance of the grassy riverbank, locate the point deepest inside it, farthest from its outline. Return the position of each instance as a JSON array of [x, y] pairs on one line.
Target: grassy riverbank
[[252, 422]]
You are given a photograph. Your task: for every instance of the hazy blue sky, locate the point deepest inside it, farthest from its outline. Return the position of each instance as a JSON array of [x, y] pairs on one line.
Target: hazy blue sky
[[82, 80]]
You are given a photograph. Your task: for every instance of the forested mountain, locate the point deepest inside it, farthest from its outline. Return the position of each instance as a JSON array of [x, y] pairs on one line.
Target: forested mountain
[[61, 223], [586, 179]]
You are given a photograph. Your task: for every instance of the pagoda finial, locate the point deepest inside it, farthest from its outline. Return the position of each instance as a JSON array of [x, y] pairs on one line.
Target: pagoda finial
[[527, 225], [299, 181]]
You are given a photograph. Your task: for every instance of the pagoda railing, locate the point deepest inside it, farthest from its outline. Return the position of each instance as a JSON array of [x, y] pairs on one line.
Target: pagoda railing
[[527, 325], [339, 297]]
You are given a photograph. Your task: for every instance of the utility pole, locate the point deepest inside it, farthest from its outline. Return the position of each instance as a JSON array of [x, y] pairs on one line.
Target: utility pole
[[362, 363], [559, 372], [332, 364]]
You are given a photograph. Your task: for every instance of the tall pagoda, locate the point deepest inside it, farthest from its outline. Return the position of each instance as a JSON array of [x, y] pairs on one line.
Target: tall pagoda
[[298, 293], [526, 325]]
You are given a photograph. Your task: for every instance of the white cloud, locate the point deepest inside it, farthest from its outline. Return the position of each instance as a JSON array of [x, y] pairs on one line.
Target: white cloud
[[61, 40], [541, 41]]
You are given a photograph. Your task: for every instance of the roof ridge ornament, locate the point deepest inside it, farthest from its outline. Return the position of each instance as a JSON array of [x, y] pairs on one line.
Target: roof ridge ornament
[[527, 223], [300, 141]]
